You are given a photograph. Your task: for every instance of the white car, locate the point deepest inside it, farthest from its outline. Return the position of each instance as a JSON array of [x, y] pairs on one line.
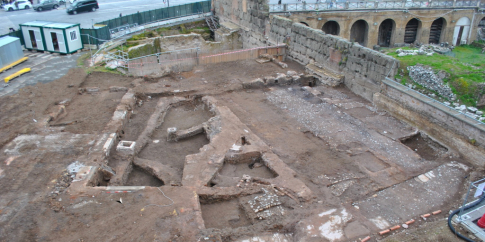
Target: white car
[[17, 5]]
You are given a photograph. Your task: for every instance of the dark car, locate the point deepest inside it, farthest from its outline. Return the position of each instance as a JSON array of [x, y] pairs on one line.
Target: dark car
[[83, 6], [46, 4]]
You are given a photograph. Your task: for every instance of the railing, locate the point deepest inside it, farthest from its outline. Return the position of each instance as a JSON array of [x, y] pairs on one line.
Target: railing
[[151, 16], [356, 5]]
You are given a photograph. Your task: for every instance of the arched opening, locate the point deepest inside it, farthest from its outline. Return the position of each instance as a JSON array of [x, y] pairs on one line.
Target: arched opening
[[386, 30], [436, 29], [462, 28], [411, 31], [331, 27], [481, 24], [359, 31], [481, 30], [304, 24]]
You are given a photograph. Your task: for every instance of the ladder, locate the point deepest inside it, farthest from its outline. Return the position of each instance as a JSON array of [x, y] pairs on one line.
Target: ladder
[[212, 22]]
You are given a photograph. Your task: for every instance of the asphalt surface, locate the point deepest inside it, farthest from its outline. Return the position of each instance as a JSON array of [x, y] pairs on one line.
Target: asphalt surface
[[45, 67], [108, 9]]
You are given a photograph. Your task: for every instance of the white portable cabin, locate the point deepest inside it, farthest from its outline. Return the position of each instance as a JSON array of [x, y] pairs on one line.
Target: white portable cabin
[[64, 38], [33, 37]]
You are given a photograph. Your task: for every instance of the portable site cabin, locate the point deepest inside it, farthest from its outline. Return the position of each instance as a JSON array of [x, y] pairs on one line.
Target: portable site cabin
[[10, 50], [32, 33], [62, 38]]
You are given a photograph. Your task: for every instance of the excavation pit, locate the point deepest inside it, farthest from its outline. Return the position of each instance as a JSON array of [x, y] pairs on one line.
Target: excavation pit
[[182, 115], [224, 214], [139, 177], [427, 148], [308, 147]]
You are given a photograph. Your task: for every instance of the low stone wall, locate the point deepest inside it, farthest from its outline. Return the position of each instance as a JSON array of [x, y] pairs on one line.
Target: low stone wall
[[453, 129]]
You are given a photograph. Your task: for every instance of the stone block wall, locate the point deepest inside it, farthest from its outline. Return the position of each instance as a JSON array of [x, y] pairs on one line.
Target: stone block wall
[[251, 15], [307, 45]]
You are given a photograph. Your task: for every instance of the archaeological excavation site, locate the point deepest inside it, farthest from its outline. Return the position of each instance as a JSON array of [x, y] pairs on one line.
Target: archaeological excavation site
[[263, 129]]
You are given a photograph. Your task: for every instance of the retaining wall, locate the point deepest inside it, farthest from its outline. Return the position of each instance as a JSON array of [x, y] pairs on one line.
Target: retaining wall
[[441, 122]]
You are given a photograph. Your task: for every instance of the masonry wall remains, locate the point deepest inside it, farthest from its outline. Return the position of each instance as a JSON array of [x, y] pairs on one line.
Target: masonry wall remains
[[365, 72], [251, 15], [363, 68]]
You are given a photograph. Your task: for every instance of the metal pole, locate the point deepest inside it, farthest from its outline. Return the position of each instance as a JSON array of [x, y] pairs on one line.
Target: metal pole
[[89, 42]]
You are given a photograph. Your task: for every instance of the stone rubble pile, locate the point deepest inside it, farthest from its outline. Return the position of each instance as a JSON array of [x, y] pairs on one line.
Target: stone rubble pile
[[291, 77], [428, 50], [427, 78], [473, 112]]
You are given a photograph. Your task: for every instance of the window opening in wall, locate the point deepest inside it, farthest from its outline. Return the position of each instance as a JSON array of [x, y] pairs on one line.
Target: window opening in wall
[[73, 35]]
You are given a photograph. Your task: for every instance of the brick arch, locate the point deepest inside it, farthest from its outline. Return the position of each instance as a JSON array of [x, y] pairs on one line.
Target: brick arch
[[359, 32], [481, 23], [387, 29], [331, 27], [412, 30], [437, 30]]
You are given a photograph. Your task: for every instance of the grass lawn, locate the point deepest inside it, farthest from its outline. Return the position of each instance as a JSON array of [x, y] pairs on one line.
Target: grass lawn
[[465, 67]]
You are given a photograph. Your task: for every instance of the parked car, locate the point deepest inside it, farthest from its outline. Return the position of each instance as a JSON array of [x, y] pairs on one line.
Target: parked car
[[17, 5], [46, 4], [83, 6]]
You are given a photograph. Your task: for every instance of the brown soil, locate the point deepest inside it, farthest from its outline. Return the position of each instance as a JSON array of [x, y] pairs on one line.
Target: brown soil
[[34, 205]]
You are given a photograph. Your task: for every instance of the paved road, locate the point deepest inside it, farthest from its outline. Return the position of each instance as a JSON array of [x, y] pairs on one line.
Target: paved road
[[45, 67], [108, 9]]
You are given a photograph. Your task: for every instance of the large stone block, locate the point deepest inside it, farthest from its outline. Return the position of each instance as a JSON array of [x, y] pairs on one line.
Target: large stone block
[[256, 83]]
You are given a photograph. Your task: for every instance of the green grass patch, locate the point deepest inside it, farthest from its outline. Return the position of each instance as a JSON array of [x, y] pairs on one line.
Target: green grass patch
[[102, 69], [147, 49], [82, 59], [466, 68]]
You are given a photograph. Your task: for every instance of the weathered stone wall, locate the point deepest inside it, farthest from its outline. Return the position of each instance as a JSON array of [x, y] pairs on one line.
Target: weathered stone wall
[[363, 68], [251, 15], [188, 41]]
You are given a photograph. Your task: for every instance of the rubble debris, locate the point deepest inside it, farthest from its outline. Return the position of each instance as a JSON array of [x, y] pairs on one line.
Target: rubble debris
[[270, 57], [263, 206], [428, 50], [427, 78]]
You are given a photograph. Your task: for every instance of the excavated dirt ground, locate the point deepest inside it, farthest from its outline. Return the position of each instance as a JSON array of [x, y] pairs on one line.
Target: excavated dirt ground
[[361, 165]]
